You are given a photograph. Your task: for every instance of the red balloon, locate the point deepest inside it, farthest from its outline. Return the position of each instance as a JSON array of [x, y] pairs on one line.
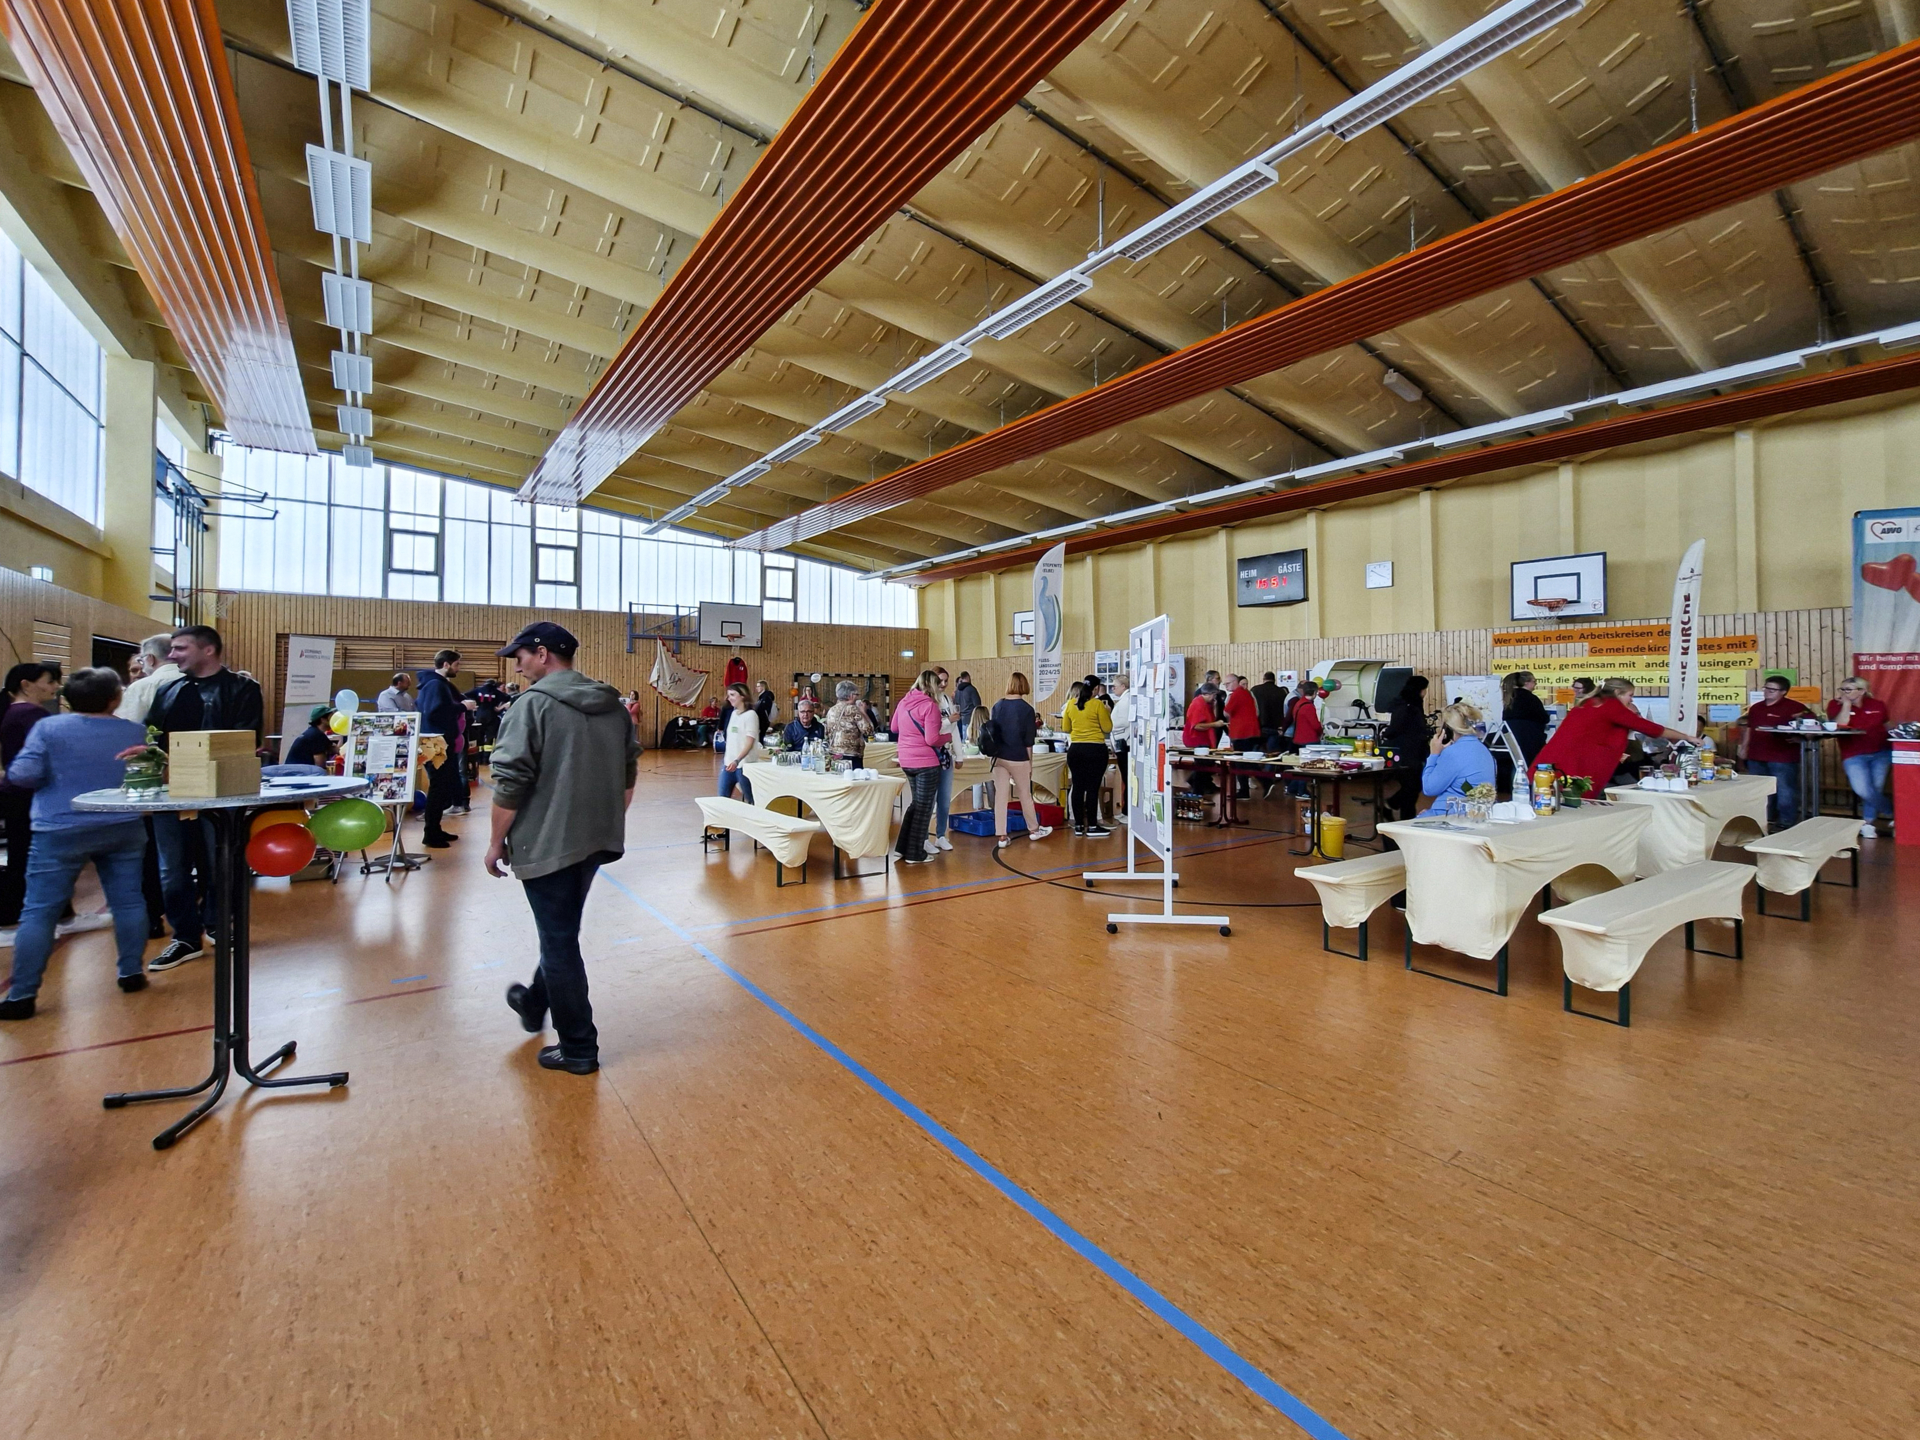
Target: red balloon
[[281, 850]]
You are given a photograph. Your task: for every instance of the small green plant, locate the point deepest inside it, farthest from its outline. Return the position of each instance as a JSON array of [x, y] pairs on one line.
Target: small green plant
[[1574, 789], [148, 769]]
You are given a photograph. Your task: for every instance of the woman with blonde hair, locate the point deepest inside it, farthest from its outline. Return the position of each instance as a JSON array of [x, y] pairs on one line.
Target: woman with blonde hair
[[1457, 758], [1592, 740], [1015, 726], [1867, 758], [919, 729]]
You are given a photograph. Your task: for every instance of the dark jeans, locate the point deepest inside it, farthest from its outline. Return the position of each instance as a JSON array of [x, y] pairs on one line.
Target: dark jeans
[[730, 780], [1783, 806], [58, 858], [1120, 752], [150, 890], [17, 810], [1248, 745], [559, 981], [184, 846], [923, 792], [1086, 767], [443, 789]]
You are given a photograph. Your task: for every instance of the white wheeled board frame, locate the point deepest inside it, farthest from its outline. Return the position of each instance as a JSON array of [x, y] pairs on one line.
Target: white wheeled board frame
[[1157, 681]]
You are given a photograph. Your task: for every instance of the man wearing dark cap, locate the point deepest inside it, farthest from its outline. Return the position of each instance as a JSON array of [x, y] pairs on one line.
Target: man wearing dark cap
[[563, 771], [313, 745]]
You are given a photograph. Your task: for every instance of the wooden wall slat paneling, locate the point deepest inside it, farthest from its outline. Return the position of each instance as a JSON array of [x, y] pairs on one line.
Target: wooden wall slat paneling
[[1858, 112], [143, 98], [35, 615], [254, 625], [911, 87]]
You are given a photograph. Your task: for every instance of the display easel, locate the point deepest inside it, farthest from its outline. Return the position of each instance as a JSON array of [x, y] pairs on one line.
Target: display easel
[[383, 748], [1157, 681]]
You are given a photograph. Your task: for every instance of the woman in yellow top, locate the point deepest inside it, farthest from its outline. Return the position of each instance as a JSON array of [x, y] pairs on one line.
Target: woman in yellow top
[[1087, 722]]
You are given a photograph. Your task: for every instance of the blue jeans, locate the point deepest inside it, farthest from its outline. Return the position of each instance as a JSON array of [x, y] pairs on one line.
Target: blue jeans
[[1783, 807], [560, 980], [731, 778], [117, 851], [181, 896], [1867, 774], [942, 800]]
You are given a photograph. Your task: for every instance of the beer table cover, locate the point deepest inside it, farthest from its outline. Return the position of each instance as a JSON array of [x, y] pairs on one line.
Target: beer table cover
[[1687, 825], [1468, 884], [858, 814]]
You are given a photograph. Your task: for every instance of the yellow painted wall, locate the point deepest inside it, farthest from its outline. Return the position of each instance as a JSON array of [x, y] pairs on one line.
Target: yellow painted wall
[[1775, 505]]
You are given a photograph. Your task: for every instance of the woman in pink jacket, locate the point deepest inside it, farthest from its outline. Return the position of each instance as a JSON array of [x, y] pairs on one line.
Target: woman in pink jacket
[[917, 728]]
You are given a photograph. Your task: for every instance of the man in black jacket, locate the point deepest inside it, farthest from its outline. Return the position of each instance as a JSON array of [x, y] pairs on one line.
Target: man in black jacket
[[442, 713], [207, 696], [1270, 701]]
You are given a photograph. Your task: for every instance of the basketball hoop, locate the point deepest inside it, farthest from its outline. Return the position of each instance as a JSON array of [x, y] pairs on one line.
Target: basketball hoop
[[1551, 605], [732, 630]]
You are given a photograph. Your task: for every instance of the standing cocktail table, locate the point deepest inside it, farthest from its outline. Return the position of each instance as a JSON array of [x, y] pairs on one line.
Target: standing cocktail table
[[229, 928]]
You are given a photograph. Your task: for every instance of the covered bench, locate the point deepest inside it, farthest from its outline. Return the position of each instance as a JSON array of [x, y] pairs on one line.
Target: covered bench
[[786, 836], [1790, 862], [1351, 890], [1603, 938]]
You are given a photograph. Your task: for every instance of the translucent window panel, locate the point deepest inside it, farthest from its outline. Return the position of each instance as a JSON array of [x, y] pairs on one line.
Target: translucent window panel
[[163, 532], [815, 600], [600, 572], [412, 587], [58, 341], [59, 446], [746, 578], [552, 563], [413, 499], [358, 562], [778, 610], [168, 444], [9, 408], [557, 597], [555, 526], [413, 553], [903, 605], [848, 597], [512, 563], [777, 579], [10, 265]]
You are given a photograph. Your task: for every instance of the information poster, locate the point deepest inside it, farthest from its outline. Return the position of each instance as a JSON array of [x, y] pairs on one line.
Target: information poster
[[384, 749], [309, 683], [1886, 607], [1158, 683]]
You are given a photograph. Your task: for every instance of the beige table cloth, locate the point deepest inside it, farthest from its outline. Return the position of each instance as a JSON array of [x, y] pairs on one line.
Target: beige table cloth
[[1604, 938], [1687, 824], [858, 814], [786, 837], [1468, 885], [1792, 860], [1351, 890]]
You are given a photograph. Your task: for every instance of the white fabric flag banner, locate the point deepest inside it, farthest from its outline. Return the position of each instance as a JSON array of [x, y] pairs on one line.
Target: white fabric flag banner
[[673, 680], [1049, 621], [309, 670], [1683, 643]]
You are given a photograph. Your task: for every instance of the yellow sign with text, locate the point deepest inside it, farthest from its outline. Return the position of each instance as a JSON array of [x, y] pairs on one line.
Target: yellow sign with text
[[1720, 684]]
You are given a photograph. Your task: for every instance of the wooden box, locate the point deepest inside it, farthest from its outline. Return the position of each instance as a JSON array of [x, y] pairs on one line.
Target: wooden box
[[211, 779], [197, 746]]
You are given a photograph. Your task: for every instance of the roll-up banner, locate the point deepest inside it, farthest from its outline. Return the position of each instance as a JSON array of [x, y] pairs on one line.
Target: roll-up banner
[[1683, 643], [1049, 622], [1886, 607]]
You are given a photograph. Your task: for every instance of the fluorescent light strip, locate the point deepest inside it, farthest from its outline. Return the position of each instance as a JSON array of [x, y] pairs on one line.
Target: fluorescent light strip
[[1505, 28], [748, 474], [342, 191], [330, 40], [799, 445], [1511, 25]]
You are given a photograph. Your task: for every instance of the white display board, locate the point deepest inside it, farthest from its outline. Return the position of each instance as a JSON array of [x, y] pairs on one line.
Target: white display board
[[1560, 587], [1157, 680], [384, 749], [730, 625]]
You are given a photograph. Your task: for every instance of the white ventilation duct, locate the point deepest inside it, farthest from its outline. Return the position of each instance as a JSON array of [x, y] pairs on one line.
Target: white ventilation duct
[[352, 373], [342, 191], [355, 420], [349, 303], [330, 40], [357, 457]]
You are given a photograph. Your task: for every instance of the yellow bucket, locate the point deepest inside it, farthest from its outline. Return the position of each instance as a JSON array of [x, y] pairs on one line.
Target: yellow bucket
[[1333, 836]]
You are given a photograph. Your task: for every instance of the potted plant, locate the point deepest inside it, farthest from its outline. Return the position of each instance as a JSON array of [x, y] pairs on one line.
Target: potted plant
[[147, 771], [1574, 789]]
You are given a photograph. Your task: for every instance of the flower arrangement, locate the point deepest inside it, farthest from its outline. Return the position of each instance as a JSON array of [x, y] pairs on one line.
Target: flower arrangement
[[148, 770], [1574, 789]]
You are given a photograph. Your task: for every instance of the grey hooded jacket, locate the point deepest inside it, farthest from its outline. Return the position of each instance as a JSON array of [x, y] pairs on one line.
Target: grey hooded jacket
[[564, 761]]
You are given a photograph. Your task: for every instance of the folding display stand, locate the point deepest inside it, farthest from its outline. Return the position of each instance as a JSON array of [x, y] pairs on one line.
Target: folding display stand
[[398, 857], [1158, 687]]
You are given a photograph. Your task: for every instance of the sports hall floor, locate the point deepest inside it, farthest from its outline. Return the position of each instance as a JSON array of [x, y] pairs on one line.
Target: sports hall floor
[[1416, 1210]]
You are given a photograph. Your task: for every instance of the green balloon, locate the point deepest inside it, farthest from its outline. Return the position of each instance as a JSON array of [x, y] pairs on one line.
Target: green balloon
[[348, 824]]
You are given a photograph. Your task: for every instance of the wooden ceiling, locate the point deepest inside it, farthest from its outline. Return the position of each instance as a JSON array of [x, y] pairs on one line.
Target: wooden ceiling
[[542, 170]]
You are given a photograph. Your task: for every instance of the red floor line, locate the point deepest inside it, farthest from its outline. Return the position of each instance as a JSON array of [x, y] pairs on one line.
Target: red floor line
[[197, 1029]]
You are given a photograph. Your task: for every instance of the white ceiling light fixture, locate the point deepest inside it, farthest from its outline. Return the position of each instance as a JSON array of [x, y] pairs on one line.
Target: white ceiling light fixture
[[929, 368], [342, 190], [1190, 214], [349, 304], [748, 475], [352, 373], [852, 414], [1512, 24], [799, 445], [1403, 387], [330, 40], [1061, 290]]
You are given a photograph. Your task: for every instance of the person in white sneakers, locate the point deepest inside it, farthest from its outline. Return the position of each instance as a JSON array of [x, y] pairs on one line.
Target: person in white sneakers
[[1007, 738], [1867, 757]]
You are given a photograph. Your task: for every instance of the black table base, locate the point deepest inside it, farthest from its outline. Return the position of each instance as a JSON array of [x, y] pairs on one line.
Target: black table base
[[232, 909]]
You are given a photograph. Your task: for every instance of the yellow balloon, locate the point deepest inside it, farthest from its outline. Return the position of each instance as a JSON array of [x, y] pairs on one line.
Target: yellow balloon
[[339, 722], [275, 817]]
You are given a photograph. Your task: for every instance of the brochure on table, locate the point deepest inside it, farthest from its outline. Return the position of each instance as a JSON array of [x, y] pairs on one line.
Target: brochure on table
[[384, 748]]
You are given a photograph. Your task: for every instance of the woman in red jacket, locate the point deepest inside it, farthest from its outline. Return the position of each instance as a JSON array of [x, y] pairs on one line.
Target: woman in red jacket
[[1592, 740], [1867, 757]]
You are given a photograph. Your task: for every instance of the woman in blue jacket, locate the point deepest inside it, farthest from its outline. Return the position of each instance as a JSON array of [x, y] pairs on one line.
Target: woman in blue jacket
[[1457, 758]]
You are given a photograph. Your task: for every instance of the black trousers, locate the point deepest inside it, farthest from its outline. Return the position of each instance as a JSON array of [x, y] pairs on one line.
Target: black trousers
[[444, 788], [1086, 767], [1120, 750], [923, 793], [560, 979], [150, 888], [17, 810]]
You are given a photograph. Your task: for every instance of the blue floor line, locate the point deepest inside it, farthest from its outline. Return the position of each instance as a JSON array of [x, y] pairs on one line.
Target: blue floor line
[[405, 979], [1203, 1339]]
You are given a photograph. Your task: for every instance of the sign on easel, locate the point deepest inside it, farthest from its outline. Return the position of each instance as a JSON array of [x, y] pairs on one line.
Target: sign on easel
[[1157, 682], [384, 749]]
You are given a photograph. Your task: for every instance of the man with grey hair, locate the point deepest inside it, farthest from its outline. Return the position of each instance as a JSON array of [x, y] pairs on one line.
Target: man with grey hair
[[150, 671], [848, 725]]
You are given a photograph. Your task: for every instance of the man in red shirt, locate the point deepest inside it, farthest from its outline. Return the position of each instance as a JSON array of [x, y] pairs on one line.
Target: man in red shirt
[[1775, 755], [1243, 721]]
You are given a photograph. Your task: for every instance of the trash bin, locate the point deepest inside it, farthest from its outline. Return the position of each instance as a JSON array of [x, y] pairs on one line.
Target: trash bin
[[1333, 836]]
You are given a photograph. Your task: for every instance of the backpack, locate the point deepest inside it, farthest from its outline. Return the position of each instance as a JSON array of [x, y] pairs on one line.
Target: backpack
[[990, 742]]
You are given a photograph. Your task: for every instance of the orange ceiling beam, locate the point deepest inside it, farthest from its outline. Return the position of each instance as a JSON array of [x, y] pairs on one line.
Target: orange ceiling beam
[[1858, 112], [911, 87], [140, 92], [1857, 382]]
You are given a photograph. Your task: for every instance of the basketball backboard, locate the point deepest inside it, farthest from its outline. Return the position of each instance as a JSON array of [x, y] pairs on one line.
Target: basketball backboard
[[1560, 587], [737, 626]]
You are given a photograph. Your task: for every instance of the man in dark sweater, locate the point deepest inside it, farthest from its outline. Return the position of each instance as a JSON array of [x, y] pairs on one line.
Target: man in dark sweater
[[442, 713], [1270, 700], [207, 696]]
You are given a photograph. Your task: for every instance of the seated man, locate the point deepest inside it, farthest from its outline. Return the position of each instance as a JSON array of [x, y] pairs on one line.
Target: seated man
[[803, 727], [313, 745]]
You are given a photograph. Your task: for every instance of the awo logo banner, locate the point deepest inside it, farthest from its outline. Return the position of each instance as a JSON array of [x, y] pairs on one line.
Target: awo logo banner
[[1891, 529], [1886, 606]]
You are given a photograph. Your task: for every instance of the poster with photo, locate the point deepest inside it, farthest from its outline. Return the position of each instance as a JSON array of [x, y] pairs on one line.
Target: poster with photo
[[385, 750]]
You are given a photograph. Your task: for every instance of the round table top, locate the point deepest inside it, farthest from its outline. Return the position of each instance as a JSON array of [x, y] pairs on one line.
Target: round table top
[[1800, 732], [292, 790]]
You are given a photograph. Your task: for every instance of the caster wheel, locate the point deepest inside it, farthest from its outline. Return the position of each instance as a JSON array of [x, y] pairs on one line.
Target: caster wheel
[[1226, 930], [1113, 929], [1087, 883], [1176, 884]]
